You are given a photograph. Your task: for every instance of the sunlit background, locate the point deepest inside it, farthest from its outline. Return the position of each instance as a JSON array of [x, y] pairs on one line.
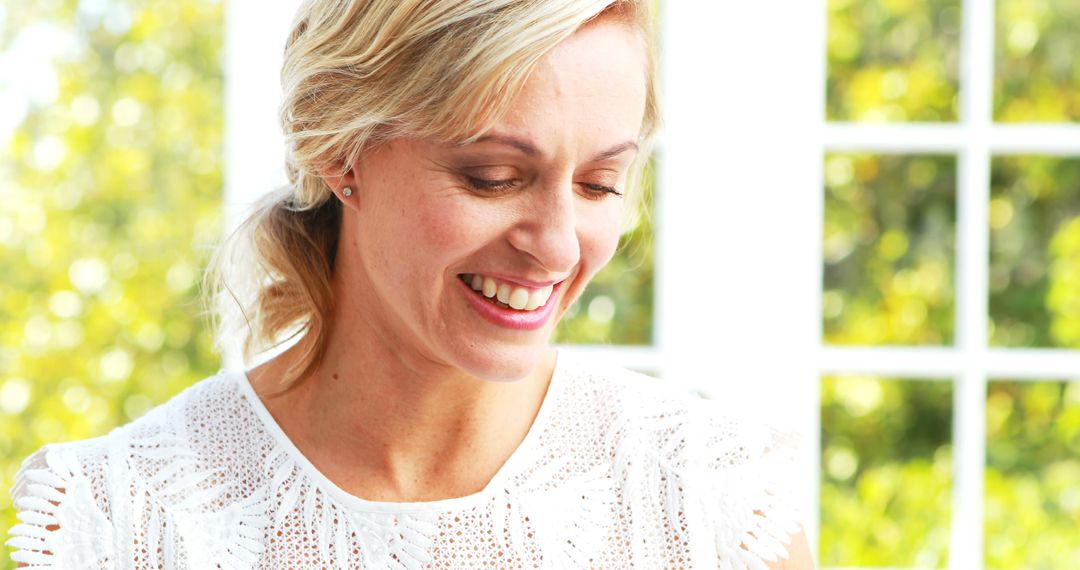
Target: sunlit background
[[111, 179]]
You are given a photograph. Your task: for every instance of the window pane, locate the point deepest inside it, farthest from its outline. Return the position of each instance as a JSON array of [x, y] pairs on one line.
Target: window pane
[[889, 249], [617, 307], [893, 60], [1038, 72], [1033, 475], [1035, 252], [886, 472], [112, 178]]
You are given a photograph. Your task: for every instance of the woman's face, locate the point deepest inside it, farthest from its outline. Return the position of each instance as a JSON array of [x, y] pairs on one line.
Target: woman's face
[[527, 214]]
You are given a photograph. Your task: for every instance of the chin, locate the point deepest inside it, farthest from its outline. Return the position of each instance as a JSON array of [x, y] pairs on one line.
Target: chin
[[504, 363]]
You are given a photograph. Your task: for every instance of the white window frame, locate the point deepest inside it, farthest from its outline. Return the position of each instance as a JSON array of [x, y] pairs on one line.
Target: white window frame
[[739, 218], [970, 362]]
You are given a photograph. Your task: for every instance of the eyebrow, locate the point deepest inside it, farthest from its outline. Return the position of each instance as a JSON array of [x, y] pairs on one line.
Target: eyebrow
[[528, 149]]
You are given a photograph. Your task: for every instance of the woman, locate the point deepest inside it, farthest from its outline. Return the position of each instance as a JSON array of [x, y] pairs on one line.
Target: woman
[[459, 172]]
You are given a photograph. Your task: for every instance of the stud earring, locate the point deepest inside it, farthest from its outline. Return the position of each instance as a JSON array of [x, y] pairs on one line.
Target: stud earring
[[346, 191]]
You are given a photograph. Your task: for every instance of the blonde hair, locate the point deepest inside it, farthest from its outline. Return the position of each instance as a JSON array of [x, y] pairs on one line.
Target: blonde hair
[[357, 73]]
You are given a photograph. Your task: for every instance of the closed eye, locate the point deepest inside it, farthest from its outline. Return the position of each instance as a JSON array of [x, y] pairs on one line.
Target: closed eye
[[593, 191], [597, 191], [486, 185]]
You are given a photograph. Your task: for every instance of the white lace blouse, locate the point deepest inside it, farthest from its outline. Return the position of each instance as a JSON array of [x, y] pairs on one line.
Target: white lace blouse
[[617, 471]]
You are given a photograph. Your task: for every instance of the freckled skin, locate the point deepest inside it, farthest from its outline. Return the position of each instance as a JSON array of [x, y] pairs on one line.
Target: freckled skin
[[416, 227]]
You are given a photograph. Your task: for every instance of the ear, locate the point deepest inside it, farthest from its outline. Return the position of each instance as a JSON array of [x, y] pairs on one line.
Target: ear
[[339, 176]]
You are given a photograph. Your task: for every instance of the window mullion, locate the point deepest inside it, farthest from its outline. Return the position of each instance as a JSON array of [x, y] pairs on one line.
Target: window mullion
[[937, 362], [972, 274], [949, 138]]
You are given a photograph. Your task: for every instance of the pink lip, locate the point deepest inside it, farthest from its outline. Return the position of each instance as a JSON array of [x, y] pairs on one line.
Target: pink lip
[[509, 318]]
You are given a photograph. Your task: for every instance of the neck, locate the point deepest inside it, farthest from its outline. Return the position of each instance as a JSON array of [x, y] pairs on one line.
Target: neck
[[386, 425]]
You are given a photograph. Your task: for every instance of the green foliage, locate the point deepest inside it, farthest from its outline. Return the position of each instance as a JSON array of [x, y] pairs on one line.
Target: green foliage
[[1063, 294], [893, 60], [885, 487], [1038, 73], [112, 192], [1032, 496], [888, 246], [1034, 253], [889, 251], [886, 472]]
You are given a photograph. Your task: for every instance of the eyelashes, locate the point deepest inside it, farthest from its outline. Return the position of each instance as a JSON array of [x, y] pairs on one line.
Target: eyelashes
[[603, 189], [488, 186], [493, 186]]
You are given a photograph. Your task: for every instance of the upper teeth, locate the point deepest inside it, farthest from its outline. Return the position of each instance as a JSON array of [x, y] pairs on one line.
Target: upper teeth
[[518, 297]]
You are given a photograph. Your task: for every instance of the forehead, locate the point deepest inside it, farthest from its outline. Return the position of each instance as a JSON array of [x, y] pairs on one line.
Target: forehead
[[591, 86]]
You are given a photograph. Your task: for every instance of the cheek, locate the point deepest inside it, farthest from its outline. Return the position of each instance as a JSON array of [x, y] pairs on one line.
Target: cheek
[[445, 229], [449, 231], [600, 237], [409, 240]]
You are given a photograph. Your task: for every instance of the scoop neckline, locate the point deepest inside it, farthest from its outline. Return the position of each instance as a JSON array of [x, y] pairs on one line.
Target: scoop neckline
[[356, 503]]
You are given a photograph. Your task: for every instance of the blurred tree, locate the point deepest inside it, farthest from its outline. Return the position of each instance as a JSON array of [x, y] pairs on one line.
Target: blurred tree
[[886, 472], [112, 174], [888, 245], [1033, 471], [897, 60], [1063, 294], [893, 60], [1038, 73], [1034, 203], [889, 254]]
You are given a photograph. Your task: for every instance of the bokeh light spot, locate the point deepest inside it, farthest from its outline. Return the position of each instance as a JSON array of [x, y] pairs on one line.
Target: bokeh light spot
[[860, 395], [66, 304], [76, 399], [49, 152], [126, 112], [1001, 213], [85, 110], [602, 309], [14, 395], [88, 275], [1023, 35], [180, 277], [116, 365], [841, 463]]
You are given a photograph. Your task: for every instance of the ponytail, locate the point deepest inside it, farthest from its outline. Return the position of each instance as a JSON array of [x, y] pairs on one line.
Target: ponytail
[[285, 255]]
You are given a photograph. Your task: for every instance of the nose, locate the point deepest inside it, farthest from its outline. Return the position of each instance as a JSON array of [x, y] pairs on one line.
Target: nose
[[547, 229]]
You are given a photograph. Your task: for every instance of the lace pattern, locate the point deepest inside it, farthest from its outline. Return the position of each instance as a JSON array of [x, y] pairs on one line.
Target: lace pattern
[[617, 472], [62, 525]]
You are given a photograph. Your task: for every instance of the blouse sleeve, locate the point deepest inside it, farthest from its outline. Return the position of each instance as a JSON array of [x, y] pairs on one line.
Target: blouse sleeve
[[62, 522], [750, 493]]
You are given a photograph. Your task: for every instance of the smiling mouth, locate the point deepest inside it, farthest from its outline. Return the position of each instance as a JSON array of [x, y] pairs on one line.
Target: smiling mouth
[[506, 295]]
